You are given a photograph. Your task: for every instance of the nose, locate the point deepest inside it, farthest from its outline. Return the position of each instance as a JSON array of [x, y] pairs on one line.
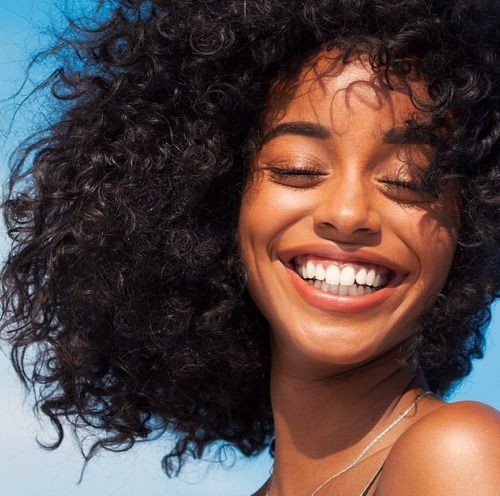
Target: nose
[[346, 210]]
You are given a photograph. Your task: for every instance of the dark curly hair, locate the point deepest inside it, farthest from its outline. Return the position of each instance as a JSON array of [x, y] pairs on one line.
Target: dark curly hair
[[124, 294]]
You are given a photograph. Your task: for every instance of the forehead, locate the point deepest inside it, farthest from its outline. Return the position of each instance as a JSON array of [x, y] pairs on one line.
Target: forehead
[[343, 95]]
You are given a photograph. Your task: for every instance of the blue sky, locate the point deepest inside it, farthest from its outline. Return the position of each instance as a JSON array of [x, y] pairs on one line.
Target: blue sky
[[26, 469]]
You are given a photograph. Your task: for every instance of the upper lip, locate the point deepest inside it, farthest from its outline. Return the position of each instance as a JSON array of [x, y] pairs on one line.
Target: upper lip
[[334, 253]]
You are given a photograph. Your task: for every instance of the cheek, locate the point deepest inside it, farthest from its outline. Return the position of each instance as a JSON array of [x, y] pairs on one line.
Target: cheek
[[254, 226], [434, 243], [266, 212]]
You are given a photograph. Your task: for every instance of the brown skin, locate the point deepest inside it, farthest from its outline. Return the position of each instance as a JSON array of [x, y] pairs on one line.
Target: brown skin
[[336, 378]]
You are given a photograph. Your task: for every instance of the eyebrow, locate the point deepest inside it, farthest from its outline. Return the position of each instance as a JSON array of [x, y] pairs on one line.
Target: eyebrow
[[394, 136], [300, 128]]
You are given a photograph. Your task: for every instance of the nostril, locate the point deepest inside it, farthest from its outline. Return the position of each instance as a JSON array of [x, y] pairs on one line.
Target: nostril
[[347, 217]]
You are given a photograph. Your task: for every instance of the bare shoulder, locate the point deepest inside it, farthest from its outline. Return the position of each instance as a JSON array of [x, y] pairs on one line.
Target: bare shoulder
[[454, 450]]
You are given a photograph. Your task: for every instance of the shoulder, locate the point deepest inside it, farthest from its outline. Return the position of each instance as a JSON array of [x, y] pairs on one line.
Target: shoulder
[[453, 450]]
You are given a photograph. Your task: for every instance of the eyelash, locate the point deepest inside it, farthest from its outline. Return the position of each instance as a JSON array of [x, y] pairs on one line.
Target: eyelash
[[310, 174], [397, 183], [394, 185]]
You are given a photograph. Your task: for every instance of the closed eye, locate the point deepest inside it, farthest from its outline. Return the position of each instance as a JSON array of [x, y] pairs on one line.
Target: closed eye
[[396, 183], [299, 178], [292, 171], [416, 189]]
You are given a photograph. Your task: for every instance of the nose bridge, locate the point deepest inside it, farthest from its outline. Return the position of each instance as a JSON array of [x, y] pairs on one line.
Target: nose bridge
[[347, 203]]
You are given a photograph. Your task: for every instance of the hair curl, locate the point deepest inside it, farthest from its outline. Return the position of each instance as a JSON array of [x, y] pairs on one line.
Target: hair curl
[[123, 293]]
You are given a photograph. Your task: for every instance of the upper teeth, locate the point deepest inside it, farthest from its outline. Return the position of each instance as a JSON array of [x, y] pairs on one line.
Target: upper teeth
[[344, 274]]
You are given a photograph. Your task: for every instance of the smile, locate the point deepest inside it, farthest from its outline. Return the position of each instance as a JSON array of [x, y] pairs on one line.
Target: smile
[[335, 281], [339, 278]]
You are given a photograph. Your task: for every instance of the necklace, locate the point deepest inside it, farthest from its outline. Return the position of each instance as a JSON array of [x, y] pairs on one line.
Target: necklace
[[364, 450]]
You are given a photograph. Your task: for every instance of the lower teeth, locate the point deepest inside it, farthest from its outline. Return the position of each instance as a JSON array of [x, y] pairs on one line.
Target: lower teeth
[[338, 289]]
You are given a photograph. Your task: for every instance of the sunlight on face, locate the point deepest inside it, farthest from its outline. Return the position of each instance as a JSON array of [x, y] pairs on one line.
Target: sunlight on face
[[334, 194]]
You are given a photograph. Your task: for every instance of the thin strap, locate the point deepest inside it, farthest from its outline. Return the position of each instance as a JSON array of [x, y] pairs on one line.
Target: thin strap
[[372, 481]]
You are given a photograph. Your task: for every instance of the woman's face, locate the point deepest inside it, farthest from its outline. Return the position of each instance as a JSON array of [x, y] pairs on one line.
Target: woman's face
[[342, 257]]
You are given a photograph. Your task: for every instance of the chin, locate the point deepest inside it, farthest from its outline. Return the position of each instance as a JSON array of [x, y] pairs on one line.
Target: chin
[[328, 349]]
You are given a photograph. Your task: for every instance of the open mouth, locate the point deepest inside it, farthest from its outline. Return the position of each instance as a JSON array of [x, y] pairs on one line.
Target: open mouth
[[339, 278]]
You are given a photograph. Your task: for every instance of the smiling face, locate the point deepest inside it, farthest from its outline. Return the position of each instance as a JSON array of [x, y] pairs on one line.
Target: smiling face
[[343, 254]]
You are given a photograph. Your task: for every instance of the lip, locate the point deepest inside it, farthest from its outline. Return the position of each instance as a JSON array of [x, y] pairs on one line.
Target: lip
[[332, 252], [336, 303]]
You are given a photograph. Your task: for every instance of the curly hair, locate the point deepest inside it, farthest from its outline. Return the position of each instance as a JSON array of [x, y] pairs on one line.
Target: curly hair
[[124, 294]]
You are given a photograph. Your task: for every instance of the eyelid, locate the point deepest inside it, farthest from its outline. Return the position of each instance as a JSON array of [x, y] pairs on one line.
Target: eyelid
[[297, 171], [398, 186], [400, 183], [300, 178]]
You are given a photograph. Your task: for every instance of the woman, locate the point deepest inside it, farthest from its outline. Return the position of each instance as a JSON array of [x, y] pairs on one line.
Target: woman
[[271, 224]]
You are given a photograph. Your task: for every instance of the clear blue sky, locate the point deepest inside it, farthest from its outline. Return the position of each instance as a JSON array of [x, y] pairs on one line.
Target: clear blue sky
[[27, 470]]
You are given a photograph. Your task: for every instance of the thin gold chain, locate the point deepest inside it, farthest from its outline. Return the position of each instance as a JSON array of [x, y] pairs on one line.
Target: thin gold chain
[[364, 450]]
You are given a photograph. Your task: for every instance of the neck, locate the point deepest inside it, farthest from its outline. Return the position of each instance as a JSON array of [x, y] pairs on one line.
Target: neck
[[347, 410]]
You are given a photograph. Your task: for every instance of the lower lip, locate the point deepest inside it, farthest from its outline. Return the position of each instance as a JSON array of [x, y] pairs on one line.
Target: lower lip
[[336, 303]]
